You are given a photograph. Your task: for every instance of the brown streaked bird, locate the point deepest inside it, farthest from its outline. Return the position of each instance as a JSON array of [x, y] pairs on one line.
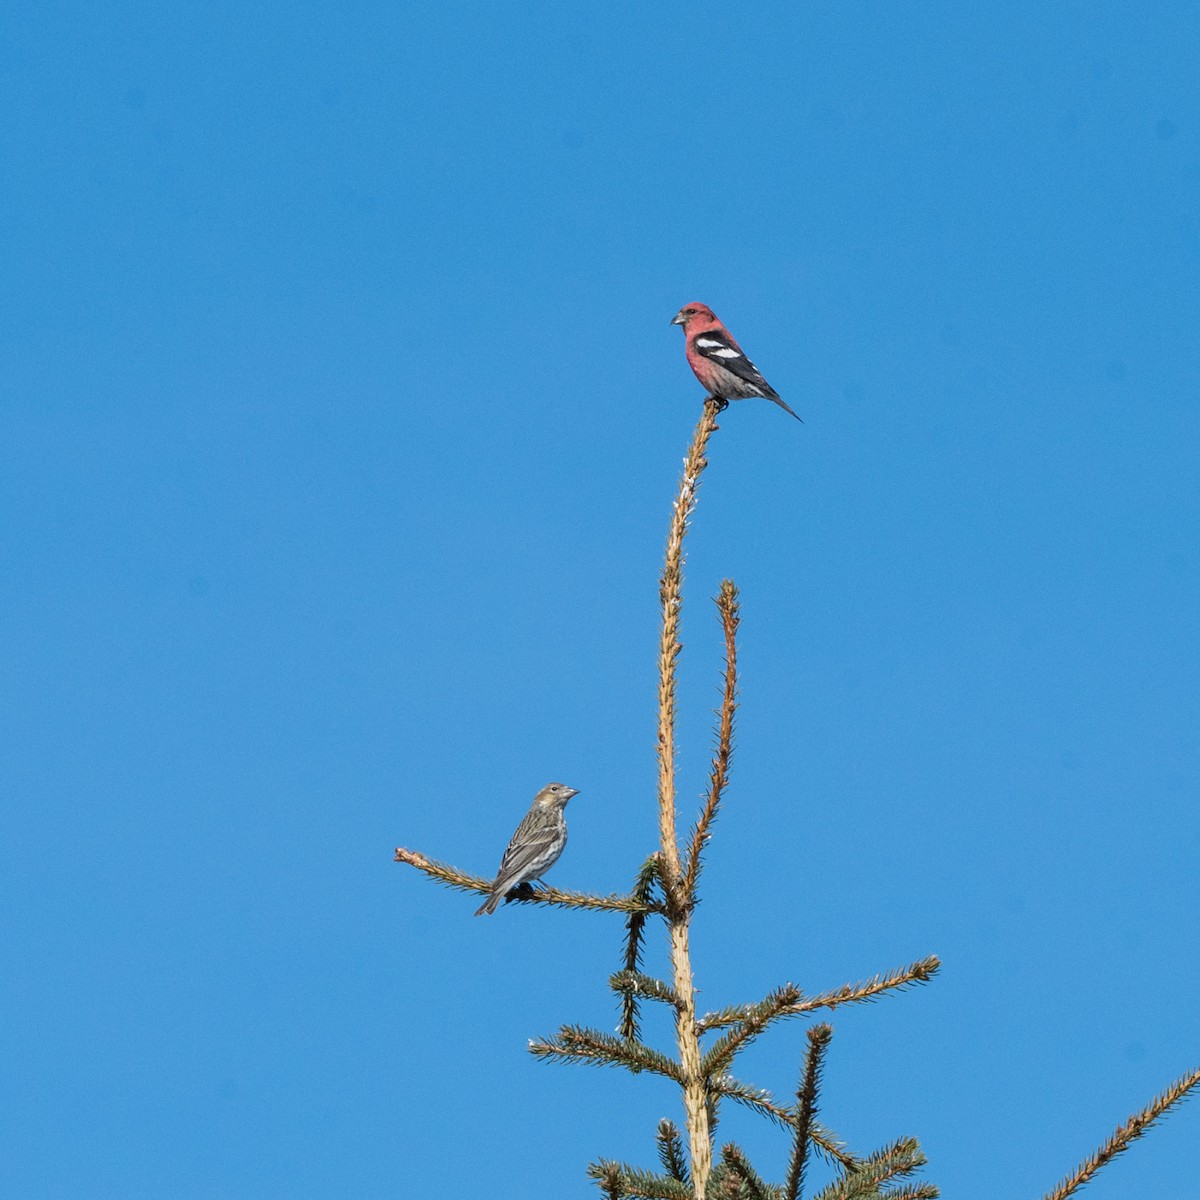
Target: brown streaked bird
[[535, 847]]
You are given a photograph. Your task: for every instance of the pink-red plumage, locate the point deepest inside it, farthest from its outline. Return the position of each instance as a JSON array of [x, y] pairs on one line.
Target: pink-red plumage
[[718, 361]]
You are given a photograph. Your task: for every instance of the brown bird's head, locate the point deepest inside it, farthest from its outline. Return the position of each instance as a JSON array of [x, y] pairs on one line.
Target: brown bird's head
[[554, 795], [689, 312]]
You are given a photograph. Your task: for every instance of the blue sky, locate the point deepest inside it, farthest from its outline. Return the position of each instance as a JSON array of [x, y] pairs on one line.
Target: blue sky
[[339, 423]]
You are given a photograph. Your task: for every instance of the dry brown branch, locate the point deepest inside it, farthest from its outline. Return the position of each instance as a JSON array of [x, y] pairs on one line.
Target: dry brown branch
[[670, 593], [1124, 1135], [727, 605], [678, 911], [453, 877]]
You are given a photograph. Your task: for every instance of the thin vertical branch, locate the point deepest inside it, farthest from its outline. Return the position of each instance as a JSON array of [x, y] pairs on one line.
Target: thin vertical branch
[[1121, 1138], [670, 591], [610, 1181], [806, 1108], [678, 911], [635, 928], [670, 1151], [727, 605], [749, 1184]]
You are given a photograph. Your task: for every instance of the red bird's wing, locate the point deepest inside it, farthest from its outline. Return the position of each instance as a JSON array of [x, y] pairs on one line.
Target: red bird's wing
[[722, 351]]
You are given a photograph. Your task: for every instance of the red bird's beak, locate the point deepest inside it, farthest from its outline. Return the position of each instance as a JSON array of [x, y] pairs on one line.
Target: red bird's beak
[[677, 319]]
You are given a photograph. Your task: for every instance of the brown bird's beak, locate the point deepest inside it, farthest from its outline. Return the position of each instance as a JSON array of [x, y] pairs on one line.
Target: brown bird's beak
[[572, 792]]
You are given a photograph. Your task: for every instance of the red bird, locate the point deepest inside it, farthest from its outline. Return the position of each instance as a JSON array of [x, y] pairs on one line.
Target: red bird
[[718, 361]]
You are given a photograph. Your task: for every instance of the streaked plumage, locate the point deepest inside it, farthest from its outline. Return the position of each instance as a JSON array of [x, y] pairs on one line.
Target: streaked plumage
[[718, 361], [535, 847]]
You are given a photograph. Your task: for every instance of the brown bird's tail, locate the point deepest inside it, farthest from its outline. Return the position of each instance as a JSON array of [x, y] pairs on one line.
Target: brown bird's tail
[[490, 904]]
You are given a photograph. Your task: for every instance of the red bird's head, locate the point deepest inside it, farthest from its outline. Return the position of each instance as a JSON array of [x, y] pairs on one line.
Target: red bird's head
[[696, 312]]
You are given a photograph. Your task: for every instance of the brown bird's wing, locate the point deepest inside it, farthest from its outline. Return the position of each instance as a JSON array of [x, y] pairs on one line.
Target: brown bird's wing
[[532, 847]]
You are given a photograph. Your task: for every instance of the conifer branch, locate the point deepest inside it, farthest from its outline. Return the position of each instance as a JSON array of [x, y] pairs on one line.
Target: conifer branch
[[453, 877], [761, 1101], [758, 1099], [644, 986], [573, 1043], [912, 1191], [1125, 1134], [864, 1180], [806, 1108], [831, 1146], [635, 928], [753, 1020], [723, 1183], [620, 1180], [920, 971], [608, 1175], [750, 1185], [727, 604], [670, 1152]]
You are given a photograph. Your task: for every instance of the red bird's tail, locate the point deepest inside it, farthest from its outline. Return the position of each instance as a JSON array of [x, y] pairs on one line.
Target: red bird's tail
[[785, 408]]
